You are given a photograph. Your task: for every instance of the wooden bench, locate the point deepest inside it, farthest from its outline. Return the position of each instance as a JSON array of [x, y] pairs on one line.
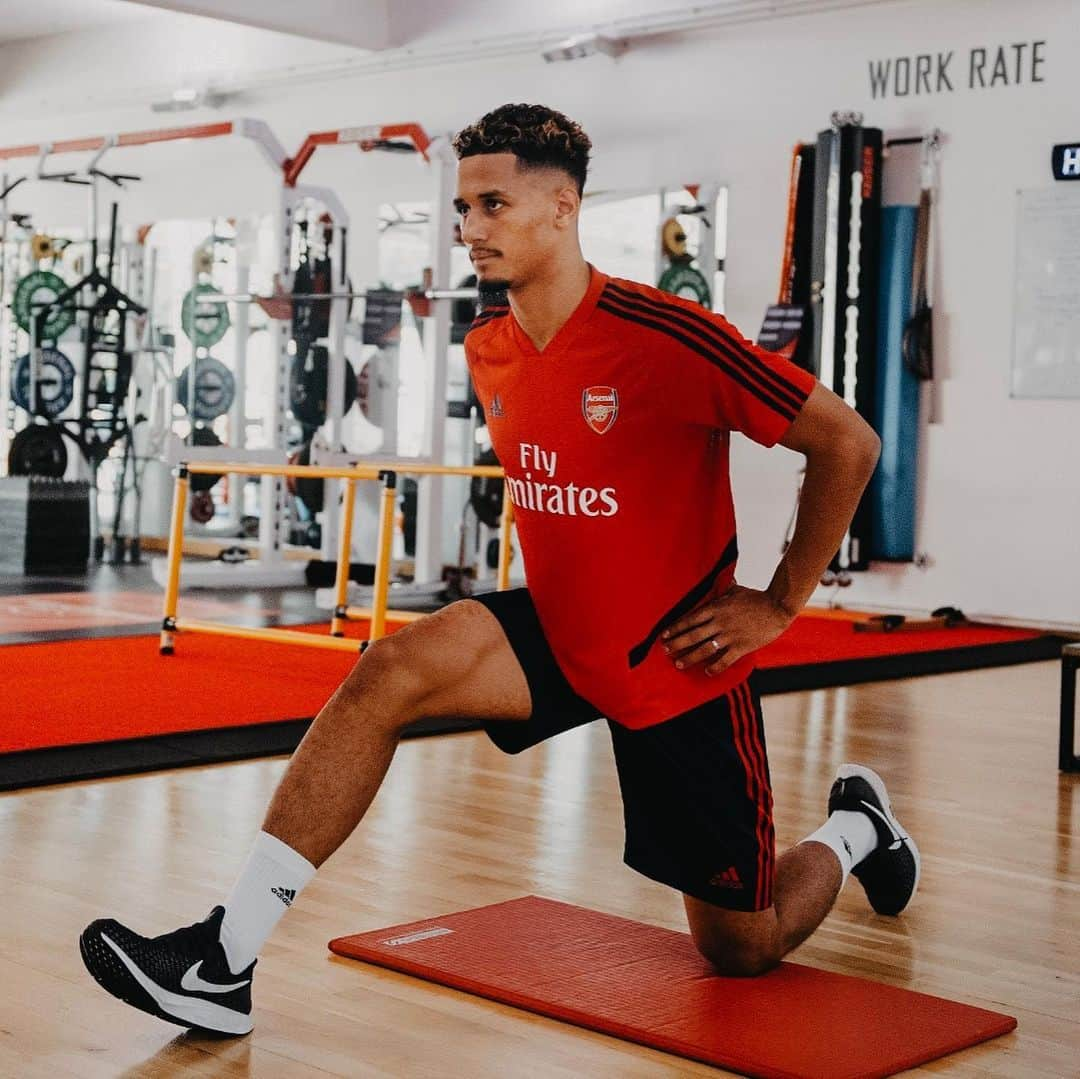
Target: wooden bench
[[1068, 761]]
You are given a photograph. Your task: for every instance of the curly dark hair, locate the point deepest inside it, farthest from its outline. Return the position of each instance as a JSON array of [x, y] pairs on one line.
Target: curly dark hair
[[537, 136]]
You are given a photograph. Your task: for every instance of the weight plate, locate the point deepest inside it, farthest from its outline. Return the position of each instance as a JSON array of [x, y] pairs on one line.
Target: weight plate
[[673, 238], [38, 450], [486, 493], [682, 279], [215, 388], [41, 246], [56, 382], [204, 481], [201, 507], [311, 492], [463, 312], [204, 323], [40, 287], [307, 386]]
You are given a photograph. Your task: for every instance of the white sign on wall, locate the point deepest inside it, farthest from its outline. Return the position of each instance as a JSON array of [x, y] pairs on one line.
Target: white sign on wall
[[1046, 317]]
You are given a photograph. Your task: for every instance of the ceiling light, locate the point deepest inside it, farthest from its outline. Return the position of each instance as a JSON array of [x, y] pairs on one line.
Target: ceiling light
[[580, 45], [185, 98]]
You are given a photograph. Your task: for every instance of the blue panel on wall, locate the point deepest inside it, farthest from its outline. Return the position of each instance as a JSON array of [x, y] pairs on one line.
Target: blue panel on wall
[[893, 487]]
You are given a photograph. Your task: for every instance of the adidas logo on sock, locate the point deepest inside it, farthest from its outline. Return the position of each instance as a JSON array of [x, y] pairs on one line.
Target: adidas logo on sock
[[728, 879], [286, 895]]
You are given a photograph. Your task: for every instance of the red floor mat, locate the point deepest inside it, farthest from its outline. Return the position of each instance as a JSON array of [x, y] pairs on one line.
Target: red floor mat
[[62, 693], [827, 636], [649, 985]]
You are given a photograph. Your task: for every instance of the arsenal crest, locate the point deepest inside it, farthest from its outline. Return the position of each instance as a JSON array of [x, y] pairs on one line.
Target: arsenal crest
[[600, 405]]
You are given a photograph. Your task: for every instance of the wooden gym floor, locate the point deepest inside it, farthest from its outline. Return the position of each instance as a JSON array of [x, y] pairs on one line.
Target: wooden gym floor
[[970, 760]]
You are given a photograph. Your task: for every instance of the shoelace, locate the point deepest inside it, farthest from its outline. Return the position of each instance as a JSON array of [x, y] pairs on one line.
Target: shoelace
[[194, 938]]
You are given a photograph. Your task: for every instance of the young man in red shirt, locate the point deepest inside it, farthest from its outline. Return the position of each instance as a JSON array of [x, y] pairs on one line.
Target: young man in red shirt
[[611, 406]]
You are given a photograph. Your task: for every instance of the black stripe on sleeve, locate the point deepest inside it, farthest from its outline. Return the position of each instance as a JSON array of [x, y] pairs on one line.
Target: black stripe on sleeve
[[785, 410], [711, 342], [686, 604], [710, 330]]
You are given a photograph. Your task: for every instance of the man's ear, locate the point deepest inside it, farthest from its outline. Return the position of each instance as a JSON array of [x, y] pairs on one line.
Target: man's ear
[[567, 205]]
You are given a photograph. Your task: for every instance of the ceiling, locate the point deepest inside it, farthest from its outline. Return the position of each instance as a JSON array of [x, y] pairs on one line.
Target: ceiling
[[41, 18], [256, 47], [387, 25], [362, 23]]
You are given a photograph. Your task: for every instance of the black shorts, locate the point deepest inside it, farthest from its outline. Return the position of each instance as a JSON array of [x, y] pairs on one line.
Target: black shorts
[[697, 800]]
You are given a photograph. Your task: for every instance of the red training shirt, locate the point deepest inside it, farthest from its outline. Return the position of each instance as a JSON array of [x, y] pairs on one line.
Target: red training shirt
[[615, 442]]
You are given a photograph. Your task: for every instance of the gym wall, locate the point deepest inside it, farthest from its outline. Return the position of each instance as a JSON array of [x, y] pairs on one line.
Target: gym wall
[[999, 515]]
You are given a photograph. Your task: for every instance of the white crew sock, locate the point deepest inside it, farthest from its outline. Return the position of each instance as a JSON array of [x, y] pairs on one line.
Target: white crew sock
[[267, 886], [850, 835]]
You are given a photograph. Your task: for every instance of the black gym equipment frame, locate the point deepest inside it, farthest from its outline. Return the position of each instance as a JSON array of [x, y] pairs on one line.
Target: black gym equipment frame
[[102, 421], [844, 289]]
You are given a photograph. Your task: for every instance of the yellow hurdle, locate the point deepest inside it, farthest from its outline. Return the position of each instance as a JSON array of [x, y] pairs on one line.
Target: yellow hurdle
[[378, 614], [358, 613], [176, 550], [505, 525], [341, 583], [259, 633], [382, 559]]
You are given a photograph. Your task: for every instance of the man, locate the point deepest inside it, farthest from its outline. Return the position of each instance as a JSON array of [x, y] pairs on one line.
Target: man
[[611, 406]]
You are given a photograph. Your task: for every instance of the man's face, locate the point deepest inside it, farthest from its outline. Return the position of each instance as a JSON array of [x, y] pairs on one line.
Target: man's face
[[512, 220]]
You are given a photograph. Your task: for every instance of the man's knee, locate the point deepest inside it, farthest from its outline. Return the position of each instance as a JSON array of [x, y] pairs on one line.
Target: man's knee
[[388, 675], [740, 957], [419, 670], [739, 944]]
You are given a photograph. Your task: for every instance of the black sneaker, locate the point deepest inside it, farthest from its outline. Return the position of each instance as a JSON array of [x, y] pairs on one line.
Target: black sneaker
[[182, 977], [890, 873]]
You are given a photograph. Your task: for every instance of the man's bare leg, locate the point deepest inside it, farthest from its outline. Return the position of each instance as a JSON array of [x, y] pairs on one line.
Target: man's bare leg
[[456, 662], [861, 835], [808, 880]]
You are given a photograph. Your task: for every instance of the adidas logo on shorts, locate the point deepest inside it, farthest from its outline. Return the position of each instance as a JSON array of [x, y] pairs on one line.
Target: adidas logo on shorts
[[286, 895], [728, 879]]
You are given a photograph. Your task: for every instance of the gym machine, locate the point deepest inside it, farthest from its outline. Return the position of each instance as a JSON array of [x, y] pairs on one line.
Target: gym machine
[[853, 310], [332, 326], [106, 412]]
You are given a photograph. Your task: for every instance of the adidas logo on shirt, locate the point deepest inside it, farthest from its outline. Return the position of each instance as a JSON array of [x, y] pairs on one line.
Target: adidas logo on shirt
[[286, 895], [728, 879]]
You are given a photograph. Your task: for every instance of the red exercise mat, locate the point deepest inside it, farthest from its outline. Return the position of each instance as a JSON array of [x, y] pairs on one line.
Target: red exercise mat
[[63, 693], [829, 637], [649, 985]]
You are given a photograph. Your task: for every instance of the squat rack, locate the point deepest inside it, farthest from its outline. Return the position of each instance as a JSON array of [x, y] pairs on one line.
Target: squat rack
[[436, 153], [98, 145], [271, 567]]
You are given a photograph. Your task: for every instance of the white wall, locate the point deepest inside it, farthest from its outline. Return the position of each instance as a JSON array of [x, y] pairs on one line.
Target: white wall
[[1001, 511]]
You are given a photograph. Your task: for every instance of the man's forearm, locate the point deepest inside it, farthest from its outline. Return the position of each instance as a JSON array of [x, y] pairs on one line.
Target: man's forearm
[[832, 487]]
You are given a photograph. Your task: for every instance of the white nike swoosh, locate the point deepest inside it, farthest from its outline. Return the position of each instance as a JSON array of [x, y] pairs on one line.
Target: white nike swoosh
[[203, 1013], [194, 984], [898, 836]]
